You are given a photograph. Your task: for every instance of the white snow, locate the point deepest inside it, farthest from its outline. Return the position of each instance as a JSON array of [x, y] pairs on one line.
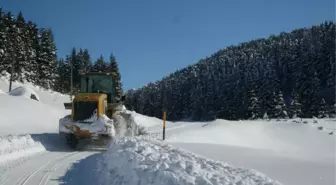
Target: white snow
[[14, 147], [26, 116], [145, 162], [102, 125], [21, 117], [293, 153], [48, 97], [146, 121], [25, 92], [290, 151]]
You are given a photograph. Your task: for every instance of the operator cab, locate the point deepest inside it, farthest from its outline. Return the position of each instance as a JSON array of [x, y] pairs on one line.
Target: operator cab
[[96, 82]]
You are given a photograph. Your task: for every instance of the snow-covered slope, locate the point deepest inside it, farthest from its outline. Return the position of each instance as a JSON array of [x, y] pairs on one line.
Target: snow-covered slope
[[293, 153], [48, 97], [21, 116], [287, 138]]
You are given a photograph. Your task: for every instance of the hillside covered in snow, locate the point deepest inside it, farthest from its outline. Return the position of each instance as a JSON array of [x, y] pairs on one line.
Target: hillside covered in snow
[[285, 75]]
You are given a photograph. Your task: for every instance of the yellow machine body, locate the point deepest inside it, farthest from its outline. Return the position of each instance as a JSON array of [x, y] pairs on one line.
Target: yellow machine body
[[94, 97]]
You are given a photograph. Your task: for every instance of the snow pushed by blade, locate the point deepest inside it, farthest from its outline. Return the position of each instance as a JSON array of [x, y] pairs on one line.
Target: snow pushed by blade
[[145, 162], [14, 147], [125, 125]]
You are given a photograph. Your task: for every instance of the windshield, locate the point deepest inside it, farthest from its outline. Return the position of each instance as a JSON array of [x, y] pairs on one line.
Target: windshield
[[97, 84]]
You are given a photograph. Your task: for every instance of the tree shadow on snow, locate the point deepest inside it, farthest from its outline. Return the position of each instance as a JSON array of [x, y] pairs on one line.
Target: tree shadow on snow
[[84, 172]]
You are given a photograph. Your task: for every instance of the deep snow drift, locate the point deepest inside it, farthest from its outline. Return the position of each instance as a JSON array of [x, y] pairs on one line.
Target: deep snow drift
[[21, 116], [291, 152], [145, 162], [24, 92], [13, 147], [285, 137], [48, 97]]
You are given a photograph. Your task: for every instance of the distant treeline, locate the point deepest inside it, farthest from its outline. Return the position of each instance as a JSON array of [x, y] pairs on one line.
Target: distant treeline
[[32, 53], [278, 77]]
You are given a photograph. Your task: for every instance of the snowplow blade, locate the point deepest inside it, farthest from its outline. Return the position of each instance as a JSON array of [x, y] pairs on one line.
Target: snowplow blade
[[68, 105]]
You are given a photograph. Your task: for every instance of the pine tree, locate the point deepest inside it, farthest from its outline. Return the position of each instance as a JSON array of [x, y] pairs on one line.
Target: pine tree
[[10, 58], [322, 109], [3, 40], [253, 106], [46, 59], [22, 48], [113, 67], [99, 65], [33, 49], [295, 106], [280, 109]]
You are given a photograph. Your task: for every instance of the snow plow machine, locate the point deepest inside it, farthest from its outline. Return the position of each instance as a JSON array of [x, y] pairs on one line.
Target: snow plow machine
[[97, 114]]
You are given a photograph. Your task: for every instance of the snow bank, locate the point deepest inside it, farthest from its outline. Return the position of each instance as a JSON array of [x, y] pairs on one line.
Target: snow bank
[[146, 121], [14, 147], [25, 92], [23, 116], [145, 162], [2, 92], [46, 96], [288, 138]]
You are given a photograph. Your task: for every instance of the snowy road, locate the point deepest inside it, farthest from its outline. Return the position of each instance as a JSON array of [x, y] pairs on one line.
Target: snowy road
[[45, 168]]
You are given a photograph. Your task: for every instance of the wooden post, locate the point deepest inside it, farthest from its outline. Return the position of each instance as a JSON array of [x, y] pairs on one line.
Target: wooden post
[[164, 125]]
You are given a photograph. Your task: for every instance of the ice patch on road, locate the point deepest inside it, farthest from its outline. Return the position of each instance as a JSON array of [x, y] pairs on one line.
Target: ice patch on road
[[15, 147], [145, 162]]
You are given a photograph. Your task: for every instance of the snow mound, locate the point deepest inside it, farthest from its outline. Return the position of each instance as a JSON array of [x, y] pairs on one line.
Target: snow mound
[[145, 162], [1, 92], [20, 116], [14, 147], [25, 92], [46, 96]]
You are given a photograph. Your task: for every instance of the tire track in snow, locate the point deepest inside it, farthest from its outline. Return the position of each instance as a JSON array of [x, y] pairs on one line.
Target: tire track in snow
[[49, 173], [28, 176]]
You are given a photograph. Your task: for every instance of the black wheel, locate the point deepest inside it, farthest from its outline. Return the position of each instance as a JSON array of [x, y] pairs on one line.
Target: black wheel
[[72, 141]]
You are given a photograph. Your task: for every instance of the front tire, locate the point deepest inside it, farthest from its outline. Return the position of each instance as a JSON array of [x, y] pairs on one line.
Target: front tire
[[72, 141]]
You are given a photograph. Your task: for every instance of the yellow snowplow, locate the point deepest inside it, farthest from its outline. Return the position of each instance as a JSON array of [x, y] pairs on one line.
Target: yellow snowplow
[[97, 114]]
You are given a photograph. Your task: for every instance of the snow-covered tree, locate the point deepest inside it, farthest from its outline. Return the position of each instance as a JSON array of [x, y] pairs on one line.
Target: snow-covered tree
[[113, 67], [253, 106], [295, 106], [280, 110], [46, 59]]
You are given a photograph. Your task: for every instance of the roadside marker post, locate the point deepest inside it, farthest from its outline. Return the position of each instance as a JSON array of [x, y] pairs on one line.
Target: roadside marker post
[[164, 125]]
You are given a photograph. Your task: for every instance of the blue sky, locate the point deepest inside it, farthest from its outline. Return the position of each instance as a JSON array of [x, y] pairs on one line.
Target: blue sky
[[151, 39]]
